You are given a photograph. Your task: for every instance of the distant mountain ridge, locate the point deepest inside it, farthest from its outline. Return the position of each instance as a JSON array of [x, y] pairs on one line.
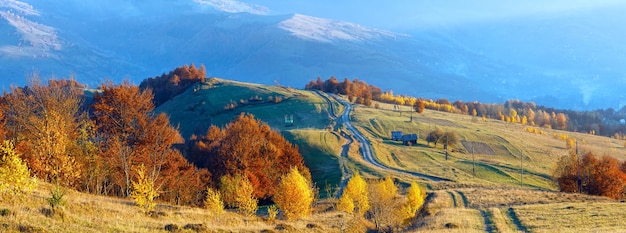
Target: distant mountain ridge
[[95, 41]]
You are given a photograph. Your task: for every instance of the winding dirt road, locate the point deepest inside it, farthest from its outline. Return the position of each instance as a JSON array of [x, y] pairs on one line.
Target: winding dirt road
[[366, 147]]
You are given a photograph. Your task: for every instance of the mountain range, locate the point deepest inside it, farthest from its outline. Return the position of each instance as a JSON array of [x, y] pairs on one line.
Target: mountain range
[[568, 61]]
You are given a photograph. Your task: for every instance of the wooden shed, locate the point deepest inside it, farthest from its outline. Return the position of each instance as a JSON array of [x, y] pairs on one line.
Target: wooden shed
[[409, 139], [396, 135]]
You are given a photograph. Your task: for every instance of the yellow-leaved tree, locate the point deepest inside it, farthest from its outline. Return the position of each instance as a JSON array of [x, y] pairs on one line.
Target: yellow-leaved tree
[[213, 201], [295, 195], [345, 204], [356, 190], [238, 192], [15, 177], [415, 196], [384, 204], [143, 190]]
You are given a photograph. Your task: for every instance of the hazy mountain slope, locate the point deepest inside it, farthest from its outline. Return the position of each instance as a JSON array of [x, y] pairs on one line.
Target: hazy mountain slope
[[139, 39]]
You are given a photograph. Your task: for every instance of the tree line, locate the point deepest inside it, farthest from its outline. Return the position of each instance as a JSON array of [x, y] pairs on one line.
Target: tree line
[[166, 86], [357, 91]]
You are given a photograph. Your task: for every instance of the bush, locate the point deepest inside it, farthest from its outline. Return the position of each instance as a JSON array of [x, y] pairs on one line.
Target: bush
[[272, 211], [56, 200]]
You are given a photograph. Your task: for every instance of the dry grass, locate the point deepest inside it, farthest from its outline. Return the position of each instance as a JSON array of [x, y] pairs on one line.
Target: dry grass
[[573, 217], [91, 213], [504, 197], [441, 214]]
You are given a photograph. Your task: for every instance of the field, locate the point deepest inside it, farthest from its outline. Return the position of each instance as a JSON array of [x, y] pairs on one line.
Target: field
[[505, 153]]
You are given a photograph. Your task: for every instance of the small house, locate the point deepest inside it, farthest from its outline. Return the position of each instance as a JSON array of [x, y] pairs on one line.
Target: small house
[[396, 135], [409, 139]]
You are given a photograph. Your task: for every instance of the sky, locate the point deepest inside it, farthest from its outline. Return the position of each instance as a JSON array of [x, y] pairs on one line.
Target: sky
[[408, 15]]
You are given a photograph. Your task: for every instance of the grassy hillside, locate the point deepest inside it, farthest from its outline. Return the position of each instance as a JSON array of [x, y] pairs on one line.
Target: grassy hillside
[[201, 106], [501, 149], [204, 105]]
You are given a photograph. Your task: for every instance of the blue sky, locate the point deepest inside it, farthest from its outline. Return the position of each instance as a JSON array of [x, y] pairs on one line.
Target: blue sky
[[402, 15]]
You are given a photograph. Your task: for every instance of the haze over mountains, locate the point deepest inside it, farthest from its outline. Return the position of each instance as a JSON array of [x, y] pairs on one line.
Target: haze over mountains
[[567, 60]]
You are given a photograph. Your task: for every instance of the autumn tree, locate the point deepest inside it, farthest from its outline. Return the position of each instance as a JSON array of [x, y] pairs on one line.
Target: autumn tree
[[15, 177], [122, 112], [3, 132], [213, 201], [561, 121], [130, 134], [356, 190], [42, 121], [607, 179], [415, 198], [238, 192], [385, 207], [590, 175], [419, 106], [175, 82], [247, 146], [144, 191], [295, 195]]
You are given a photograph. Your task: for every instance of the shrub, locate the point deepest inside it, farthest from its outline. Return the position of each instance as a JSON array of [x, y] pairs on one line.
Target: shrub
[[272, 211], [56, 200], [345, 204]]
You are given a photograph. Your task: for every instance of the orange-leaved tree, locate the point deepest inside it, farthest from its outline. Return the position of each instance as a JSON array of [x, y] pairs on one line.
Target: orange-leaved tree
[[42, 120], [130, 134], [591, 175], [249, 147]]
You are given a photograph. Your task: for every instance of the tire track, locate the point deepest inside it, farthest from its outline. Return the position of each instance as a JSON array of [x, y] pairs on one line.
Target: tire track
[[490, 225], [455, 204], [518, 224]]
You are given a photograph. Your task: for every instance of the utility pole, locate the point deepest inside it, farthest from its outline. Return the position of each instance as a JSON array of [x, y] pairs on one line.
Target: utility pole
[[446, 147], [521, 161], [578, 183], [473, 162]]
